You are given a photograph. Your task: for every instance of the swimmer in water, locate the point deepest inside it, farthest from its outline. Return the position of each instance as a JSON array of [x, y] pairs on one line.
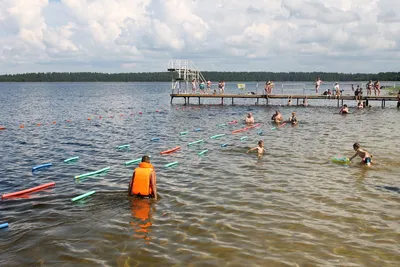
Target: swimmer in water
[[344, 109], [293, 119], [249, 118], [260, 148], [277, 117], [363, 154]]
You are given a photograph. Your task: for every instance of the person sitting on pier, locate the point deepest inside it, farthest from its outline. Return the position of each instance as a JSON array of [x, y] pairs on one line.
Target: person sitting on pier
[[293, 119], [249, 119], [365, 155], [344, 109], [277, 117]]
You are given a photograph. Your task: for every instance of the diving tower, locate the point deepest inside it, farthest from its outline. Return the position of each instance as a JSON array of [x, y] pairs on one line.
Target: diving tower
[[183, 72]]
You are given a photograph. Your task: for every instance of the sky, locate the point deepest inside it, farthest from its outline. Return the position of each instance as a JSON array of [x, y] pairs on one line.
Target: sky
[[113, 36]]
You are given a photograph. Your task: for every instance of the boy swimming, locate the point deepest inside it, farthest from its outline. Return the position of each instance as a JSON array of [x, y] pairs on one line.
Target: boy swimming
[[260, 148], [365, 155], [293, 119]]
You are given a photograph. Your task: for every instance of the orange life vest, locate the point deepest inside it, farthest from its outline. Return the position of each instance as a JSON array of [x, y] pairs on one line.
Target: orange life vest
[[141, 182]]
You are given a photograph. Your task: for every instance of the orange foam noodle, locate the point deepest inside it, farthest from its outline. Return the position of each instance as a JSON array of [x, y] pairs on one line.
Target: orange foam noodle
[[170, 150], [27, 191], [2, 128]]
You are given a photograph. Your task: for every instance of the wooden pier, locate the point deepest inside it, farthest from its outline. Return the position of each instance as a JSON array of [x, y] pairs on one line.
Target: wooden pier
[[339, 99]]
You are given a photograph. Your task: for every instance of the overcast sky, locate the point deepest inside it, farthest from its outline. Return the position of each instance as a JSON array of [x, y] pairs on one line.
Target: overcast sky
[[217, 35]]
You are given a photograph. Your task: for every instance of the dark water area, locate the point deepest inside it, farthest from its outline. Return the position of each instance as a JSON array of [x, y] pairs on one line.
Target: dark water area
[[292, 207]]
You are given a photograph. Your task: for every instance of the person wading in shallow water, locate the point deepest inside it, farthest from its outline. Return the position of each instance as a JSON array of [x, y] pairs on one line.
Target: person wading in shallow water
[[143, 183]]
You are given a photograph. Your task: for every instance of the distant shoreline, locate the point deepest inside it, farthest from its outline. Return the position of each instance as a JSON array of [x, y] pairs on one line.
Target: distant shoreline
[[212, 76]]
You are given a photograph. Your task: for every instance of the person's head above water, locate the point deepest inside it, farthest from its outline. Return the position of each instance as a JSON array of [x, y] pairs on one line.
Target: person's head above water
[[249, 115], [146, 159], [261, 143], [356, 146]]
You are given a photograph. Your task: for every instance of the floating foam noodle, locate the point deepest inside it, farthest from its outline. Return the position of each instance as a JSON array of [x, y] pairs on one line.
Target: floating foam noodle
[[224, 145], [217, 136], [171, 164], [42, 166], [221, 125], [123, 146], [197, 130], [259, 132], [183, 133], [3, 225], [134, 161], [155, 139], [195, 142], [202, 152], [71, 159], [83, 196], [243, 138], [92, 173], [27, 191]]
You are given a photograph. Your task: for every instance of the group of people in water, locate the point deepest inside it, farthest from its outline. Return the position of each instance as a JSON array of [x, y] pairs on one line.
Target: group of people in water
[[143, 183]]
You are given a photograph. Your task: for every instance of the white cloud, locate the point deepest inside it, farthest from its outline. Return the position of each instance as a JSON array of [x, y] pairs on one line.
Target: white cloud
[[274, 35]]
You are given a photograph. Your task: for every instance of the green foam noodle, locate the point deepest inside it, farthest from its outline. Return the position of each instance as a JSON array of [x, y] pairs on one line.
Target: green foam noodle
[[202, 152], [83, 196], [221, 125], [71, 159], [92, 173], [134, 161], [183, 133], [216, 136], [195, 142], [243, 138], [171, 164], [123, 146]]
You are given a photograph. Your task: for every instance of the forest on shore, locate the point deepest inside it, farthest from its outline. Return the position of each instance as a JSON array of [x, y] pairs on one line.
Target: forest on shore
[[212, 76]]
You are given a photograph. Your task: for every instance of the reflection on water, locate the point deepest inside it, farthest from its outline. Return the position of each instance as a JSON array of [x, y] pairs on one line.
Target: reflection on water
[[291, 207], [141, 218]]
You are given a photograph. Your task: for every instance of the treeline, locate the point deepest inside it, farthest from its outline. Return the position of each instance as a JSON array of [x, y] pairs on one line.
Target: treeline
[[213, 76]]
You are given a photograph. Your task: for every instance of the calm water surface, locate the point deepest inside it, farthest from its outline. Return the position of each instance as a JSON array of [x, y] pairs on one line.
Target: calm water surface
[[292, 207]]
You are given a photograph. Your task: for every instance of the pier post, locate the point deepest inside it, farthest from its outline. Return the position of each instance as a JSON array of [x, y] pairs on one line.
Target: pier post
[[232, 101], [222, 101], [199, 100]]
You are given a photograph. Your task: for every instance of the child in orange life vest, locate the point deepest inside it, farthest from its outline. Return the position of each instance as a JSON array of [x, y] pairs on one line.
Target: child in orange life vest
[[260, 148], [143, 182]]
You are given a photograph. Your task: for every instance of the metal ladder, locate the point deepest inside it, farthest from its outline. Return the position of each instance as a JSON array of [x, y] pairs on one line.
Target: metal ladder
[[183, 72]]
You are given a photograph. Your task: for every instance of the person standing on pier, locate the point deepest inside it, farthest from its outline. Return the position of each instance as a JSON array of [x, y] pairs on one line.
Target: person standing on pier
[[398, 100], [337, 90], [318, 83], [208, 87], [377, 87], [369, 88], [194, 86]]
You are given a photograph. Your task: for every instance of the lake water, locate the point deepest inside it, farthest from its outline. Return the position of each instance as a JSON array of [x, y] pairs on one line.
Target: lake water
[[292, 207]]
